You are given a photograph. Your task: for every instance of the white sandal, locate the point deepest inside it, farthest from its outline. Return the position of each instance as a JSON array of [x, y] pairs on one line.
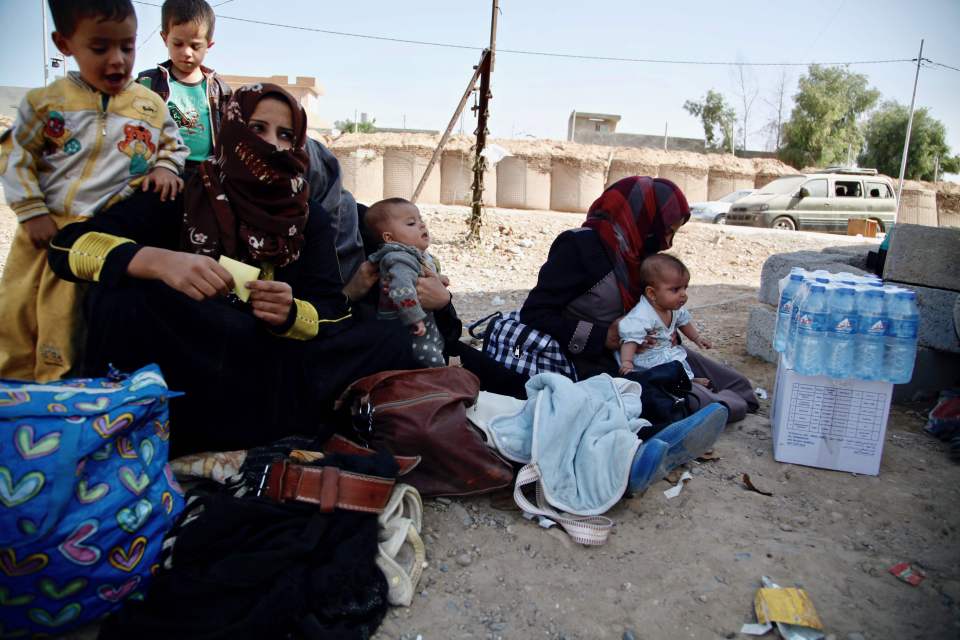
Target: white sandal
[[401, 554]]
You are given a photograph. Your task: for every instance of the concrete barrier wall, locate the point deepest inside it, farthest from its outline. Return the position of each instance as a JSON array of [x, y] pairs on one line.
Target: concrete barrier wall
[[721, 183], [362, 173], [522, 184], [574, 185], [456, 180], [402, 170], [691, 180], [919, 206], [620, 169]]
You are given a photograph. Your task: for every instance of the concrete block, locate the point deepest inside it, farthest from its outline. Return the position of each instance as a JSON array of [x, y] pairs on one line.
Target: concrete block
[[937, 323], [956, 317], [777, 266], [760, 328], [933, 372], [925, 256], [856, 253]]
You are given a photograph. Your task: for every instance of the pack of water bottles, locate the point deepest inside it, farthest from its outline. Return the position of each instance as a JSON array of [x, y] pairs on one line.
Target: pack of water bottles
[[846, 326]]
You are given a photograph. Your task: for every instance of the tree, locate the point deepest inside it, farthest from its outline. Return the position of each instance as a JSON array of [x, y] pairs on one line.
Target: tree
[[349, 126], [714, 113], [884, 135], [824, 127], [747, 92], [776, 103]]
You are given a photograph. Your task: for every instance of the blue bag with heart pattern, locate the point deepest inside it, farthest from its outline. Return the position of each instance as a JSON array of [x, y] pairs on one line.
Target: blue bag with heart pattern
[[86, 497]]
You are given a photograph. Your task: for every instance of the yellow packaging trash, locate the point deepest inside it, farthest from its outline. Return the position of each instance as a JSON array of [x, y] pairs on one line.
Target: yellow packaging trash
[[242, 274], [790, 606]]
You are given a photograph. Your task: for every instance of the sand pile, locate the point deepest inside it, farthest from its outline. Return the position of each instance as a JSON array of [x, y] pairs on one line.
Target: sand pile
[[688, 171], [768, 170]]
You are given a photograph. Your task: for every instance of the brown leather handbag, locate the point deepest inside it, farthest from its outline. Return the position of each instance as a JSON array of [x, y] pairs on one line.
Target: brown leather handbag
[[422, 412]]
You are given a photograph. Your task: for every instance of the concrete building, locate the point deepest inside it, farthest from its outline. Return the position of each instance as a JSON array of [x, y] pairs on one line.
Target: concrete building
[[601, 128], [305, 89]]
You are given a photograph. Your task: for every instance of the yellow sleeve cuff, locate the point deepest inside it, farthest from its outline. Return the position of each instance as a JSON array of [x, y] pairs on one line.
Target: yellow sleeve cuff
[[307, 324], [89, 253]]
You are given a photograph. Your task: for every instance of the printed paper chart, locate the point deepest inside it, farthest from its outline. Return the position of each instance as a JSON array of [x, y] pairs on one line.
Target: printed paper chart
[[854, 418]]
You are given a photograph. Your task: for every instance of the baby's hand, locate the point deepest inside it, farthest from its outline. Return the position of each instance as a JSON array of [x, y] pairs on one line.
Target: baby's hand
[[626, 368], [40, 230], [165, 182], [703, 343], [419, 329]]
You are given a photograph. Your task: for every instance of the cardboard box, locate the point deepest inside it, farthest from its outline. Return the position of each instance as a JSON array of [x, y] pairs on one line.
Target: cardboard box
[[830, 423], [863, 227]]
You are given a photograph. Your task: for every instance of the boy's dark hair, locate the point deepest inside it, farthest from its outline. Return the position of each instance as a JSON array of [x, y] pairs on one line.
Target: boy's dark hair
[[68, 13], [654, 267], [176, 12]]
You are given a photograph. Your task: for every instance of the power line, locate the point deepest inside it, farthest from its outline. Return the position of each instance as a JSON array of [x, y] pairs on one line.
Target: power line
[[551, 54], [945, 66]]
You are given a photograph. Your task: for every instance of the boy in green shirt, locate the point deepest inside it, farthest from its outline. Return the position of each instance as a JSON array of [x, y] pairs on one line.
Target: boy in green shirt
[[195, 94]]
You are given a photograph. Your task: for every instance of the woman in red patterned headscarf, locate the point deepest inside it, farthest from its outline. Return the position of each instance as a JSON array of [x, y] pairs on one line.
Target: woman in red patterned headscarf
[[592, 279]]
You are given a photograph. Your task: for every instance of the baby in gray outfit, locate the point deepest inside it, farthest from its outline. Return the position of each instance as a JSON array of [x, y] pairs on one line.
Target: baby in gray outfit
[[401, 259]]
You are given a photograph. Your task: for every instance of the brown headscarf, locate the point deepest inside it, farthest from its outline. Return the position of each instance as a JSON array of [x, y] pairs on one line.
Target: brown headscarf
[[250, 203], [633, 217]]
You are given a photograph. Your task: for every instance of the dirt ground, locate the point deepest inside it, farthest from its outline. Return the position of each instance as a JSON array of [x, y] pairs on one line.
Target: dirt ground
[[687, 567]]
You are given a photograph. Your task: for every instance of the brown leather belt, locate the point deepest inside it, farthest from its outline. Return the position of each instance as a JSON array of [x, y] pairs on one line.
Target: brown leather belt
[[330, 487]]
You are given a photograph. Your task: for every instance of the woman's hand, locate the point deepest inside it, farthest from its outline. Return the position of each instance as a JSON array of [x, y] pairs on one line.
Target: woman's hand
[[199, 277], [431, 292], [613, 335], [362, 281], [271, 300]]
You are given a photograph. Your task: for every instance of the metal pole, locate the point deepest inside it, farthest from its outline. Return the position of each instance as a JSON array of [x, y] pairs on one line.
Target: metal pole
[[493, 33], [666, 126], [46, 71], [471, 86], [906, 140]]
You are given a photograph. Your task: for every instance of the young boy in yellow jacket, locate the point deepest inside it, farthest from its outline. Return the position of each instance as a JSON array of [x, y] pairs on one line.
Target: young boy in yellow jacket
[[78, 145]]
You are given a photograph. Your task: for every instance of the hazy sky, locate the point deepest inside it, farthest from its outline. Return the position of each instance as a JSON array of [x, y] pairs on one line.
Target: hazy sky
[[535, 95]]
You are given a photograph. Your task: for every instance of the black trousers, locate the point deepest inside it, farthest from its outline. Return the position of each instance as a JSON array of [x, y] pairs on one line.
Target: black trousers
[[242, 385]]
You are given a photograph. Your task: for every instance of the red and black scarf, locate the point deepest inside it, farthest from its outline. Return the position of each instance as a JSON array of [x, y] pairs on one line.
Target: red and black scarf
[[633, 217], [250, 203]]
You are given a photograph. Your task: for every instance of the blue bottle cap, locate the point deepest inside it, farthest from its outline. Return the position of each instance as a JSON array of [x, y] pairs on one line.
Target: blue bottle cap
[[847, 291], [823, 280], [818, 287], [797, 277]]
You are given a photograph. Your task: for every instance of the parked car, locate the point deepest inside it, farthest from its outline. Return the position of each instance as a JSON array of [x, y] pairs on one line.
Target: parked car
[[716, 210], [822, 201]]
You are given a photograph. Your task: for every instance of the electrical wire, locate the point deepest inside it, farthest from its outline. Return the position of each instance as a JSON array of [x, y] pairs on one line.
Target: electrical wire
[[551, 54]]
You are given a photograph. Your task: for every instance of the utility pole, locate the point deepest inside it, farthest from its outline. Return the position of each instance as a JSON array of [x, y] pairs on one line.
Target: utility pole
[[666, 126], [46, 71], [480, 162], [906, 140]]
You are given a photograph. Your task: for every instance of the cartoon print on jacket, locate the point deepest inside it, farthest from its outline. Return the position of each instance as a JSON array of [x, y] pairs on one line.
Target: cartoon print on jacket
[[56, 136], [138, 144]]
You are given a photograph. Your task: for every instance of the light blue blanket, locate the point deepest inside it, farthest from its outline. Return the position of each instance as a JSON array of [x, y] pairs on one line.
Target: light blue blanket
[[582, 436]]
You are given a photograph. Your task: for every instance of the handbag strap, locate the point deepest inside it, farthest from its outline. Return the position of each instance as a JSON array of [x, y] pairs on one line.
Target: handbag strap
[[472, 327], [587, 530]]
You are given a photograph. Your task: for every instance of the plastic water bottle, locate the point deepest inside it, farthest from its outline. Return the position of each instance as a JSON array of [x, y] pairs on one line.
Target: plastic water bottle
[[785, 311], [811, 332], [901, 345], [801, 295], [841, 333], [871, 334]]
